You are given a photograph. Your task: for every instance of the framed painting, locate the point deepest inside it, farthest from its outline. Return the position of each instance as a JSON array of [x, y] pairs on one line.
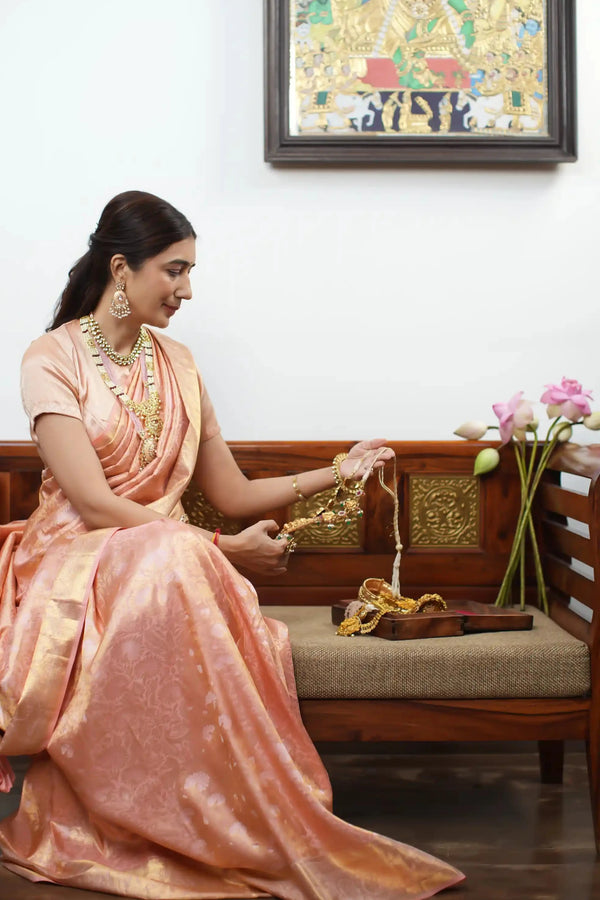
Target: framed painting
[[419, 81]]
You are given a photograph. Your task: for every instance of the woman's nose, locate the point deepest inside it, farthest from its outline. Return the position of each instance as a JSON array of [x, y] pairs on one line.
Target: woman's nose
[[185, 288]]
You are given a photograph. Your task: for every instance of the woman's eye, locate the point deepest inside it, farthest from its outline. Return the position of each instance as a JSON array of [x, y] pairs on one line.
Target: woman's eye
[[174, 272]]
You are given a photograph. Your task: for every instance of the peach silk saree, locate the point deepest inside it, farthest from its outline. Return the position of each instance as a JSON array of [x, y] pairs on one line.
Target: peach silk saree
[[159, 706]]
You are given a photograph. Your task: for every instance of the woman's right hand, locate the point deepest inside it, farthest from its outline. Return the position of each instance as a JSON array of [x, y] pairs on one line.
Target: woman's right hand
[[254, 549]]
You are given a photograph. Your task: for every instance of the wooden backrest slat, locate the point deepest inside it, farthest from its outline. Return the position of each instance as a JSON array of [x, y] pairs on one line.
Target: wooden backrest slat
[[560, 540], [567, 619], [577, 459], [565, 579], [583, 462], [557, 499]]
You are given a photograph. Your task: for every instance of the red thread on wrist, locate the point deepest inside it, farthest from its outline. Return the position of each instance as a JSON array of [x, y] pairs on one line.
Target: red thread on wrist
[[215, 537]]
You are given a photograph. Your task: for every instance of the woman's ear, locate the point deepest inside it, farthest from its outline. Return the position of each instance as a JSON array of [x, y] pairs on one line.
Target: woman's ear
[[118, 267]]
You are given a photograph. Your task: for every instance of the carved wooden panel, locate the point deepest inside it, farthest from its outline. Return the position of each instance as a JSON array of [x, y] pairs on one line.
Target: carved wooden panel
[[444, 511], [344, 534]]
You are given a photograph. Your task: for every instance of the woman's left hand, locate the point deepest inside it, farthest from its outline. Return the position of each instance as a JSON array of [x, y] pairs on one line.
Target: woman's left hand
[[361, 458]]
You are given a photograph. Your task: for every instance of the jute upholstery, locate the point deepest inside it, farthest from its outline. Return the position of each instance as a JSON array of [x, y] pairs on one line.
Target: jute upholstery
[[544, 662]]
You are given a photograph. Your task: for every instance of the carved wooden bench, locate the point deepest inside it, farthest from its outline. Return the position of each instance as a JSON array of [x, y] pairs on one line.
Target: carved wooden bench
[[457, 530]]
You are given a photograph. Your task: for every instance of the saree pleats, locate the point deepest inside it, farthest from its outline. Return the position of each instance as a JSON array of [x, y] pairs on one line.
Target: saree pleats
[[170, 760]]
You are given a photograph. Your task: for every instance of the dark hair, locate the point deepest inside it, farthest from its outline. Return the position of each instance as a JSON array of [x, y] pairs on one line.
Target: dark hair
[[136, 224]]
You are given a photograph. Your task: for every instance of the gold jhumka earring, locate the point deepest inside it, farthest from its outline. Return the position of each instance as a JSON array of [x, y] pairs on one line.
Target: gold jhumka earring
[[119, 305]]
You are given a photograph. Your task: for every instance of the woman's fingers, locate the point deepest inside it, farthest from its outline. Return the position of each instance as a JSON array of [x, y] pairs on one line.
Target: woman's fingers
[[365, 457], [269, 525]]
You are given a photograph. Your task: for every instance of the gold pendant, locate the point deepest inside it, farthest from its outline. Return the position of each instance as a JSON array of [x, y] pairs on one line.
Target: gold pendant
[[154, 424], [147, 451]]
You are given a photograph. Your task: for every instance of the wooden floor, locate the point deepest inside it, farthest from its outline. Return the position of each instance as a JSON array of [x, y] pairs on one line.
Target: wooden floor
[[485, 812]]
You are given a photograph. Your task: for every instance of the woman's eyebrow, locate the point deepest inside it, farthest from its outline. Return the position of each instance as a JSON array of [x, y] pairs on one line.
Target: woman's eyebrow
[[181, 262]]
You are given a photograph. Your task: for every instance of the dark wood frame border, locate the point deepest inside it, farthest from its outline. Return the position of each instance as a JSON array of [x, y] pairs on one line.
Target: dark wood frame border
[[559, 146]]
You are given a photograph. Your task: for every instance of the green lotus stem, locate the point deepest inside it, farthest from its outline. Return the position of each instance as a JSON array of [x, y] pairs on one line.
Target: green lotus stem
[[520, 457], [526, 475], [522, 571], [539, 572], [532, 458], [525, 512]]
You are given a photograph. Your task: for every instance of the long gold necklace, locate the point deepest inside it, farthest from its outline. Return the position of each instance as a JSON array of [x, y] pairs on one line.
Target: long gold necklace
[[146, 414]]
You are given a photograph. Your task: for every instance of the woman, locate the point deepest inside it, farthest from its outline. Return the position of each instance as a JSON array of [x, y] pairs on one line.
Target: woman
[[170, 758]]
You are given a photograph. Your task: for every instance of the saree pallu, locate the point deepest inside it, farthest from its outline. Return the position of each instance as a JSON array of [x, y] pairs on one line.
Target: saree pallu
[[170, 760]]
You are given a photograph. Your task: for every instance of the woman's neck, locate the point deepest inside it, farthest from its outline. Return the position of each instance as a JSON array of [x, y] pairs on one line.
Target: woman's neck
[[121, 334]]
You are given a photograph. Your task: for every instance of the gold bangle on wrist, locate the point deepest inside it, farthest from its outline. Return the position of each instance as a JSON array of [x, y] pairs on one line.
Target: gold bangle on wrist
[[336, 466], [299, 493]]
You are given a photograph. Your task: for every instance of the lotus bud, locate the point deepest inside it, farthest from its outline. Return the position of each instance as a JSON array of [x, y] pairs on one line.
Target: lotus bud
[[533, 425], [564, 433], [486, 461], [592, 421], [554, 410], [472, 430]]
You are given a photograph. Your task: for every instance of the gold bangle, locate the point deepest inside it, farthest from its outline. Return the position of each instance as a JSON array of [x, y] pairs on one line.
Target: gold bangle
[[336, 464], [299, 493]]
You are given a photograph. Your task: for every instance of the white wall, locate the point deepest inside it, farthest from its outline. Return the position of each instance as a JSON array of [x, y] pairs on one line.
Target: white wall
[[328, 303]]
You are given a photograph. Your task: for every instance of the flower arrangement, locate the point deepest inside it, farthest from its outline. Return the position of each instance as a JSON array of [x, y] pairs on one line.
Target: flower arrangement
[[567, 404]]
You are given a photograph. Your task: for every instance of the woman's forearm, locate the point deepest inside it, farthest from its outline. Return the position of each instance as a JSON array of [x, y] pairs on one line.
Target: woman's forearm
[[107, 510], [110, 511], [264, 494], [224, 485], [240, 496]]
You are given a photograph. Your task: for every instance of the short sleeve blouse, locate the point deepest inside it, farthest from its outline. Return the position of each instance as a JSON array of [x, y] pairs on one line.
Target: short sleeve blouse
[[209, 426], [49, 381]]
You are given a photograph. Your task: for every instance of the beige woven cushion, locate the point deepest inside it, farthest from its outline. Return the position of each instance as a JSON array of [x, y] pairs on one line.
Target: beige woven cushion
[[543, 662]]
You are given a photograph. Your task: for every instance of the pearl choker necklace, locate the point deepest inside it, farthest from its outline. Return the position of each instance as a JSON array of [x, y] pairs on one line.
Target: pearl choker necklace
[[112, 354]]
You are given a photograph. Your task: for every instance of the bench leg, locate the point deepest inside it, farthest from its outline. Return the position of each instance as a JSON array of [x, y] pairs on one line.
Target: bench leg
[[593, 749], [551, 755]]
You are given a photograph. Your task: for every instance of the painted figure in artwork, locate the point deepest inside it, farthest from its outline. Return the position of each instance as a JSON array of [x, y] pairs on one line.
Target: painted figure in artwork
[[443, 51]]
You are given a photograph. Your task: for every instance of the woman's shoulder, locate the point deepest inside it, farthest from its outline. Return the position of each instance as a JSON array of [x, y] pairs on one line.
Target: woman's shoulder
[[169, 345], [57, 345]]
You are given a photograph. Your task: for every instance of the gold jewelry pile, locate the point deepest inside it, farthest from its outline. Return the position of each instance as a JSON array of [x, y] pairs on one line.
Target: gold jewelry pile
[[375, 595]]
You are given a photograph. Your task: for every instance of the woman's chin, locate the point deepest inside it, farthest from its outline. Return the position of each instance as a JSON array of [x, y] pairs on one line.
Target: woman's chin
[[161, 320], [167, 313]]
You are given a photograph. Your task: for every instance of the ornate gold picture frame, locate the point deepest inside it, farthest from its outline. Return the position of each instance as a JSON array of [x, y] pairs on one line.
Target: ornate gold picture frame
[[417, 81]]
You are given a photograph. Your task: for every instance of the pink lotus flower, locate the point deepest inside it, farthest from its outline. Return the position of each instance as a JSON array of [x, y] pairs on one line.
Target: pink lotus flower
[[567, 399], [514, 417]]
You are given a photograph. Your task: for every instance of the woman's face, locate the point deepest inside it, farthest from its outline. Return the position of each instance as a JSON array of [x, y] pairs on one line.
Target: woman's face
[[156, 291]]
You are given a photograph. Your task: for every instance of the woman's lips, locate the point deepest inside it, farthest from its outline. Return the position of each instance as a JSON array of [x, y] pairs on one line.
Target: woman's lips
[[171, 310]]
